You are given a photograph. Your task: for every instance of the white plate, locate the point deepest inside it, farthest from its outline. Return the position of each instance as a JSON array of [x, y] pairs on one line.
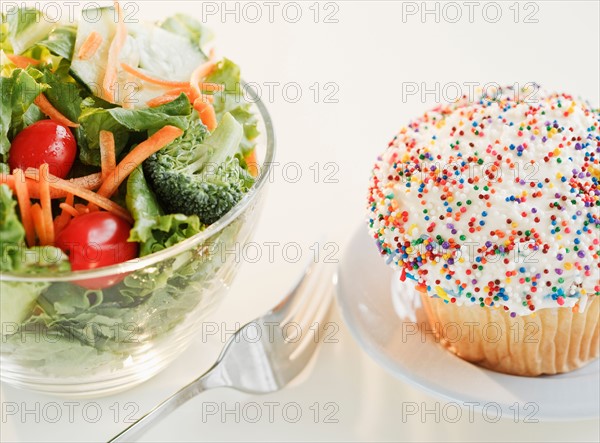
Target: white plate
[[364, 295]]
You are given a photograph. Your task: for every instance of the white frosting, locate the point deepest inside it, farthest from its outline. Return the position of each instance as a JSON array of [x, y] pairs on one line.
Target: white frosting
[[551, 146]]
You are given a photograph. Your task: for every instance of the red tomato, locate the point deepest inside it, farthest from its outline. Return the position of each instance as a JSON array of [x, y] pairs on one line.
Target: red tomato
[[44, 142], [96, 240]]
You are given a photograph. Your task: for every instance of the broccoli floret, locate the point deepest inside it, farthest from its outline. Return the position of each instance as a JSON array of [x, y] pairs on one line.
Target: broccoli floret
[[198, 176]]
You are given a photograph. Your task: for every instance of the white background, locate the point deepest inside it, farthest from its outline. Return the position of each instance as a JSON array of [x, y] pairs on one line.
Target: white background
[[371, 54]]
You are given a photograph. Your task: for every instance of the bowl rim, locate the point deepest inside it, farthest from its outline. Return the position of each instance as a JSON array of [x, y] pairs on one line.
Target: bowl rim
[[154, 258]]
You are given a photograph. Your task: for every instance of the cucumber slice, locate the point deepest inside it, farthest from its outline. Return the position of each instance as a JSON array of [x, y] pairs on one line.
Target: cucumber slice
[[91, 71], [164, 54]]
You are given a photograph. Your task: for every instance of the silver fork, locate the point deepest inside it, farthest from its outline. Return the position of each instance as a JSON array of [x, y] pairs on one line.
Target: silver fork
[[265, 363]]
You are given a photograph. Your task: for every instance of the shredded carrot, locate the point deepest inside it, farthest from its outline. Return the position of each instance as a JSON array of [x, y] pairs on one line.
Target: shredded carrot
[[252, 163], [38, 223], [61, 223], [64, 218], [21, 61], [200, 73], [10, 181], [70, 199], [91, 182], [46, 107], [69, 210], [86, 194], [84, 209], [162, 100], [204, 70], [136, 157], [46, 204], [24, 206], [206, 111], [207, 98], [118, 41], [171, 95], [90, 45], [107, 153], [151, 79], [187, 90]]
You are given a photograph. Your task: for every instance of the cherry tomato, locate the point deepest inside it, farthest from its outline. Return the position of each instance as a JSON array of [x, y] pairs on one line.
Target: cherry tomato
[[96, 240], [45, 141]]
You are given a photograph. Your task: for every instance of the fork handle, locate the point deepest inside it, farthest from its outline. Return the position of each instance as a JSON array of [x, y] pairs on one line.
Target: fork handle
[[206, 381]]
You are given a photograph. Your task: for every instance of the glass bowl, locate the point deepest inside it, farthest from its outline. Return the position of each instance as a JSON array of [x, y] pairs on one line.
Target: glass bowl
[[113, 339]]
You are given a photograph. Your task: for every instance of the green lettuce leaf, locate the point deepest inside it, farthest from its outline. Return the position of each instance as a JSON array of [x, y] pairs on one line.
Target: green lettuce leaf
[[12, 234], [186, 26], [58, 354], [6, 87], [18, 93], [173, 113], [242, 112], [152, 229], [122, 122], [17, 299], [226, 73], [32, 115], [63, 93], [61, 41], [4, 40], [232, 101]]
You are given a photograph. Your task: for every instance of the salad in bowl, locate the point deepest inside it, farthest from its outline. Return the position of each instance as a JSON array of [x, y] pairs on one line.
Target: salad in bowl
[[128, 170]]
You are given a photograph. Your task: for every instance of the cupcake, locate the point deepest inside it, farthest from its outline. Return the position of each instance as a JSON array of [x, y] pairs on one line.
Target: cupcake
[[492, 207]]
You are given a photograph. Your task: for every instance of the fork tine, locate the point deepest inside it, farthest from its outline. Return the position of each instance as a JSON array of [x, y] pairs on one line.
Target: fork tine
[[312, 296], [301, 297], [309, 342], [289, 303]]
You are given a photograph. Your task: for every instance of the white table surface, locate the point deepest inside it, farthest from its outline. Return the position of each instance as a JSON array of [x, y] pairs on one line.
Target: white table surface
[[366, 60]]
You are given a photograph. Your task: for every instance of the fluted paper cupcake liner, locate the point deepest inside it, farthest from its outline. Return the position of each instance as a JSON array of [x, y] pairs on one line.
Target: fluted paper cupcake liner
[[549, 341]]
